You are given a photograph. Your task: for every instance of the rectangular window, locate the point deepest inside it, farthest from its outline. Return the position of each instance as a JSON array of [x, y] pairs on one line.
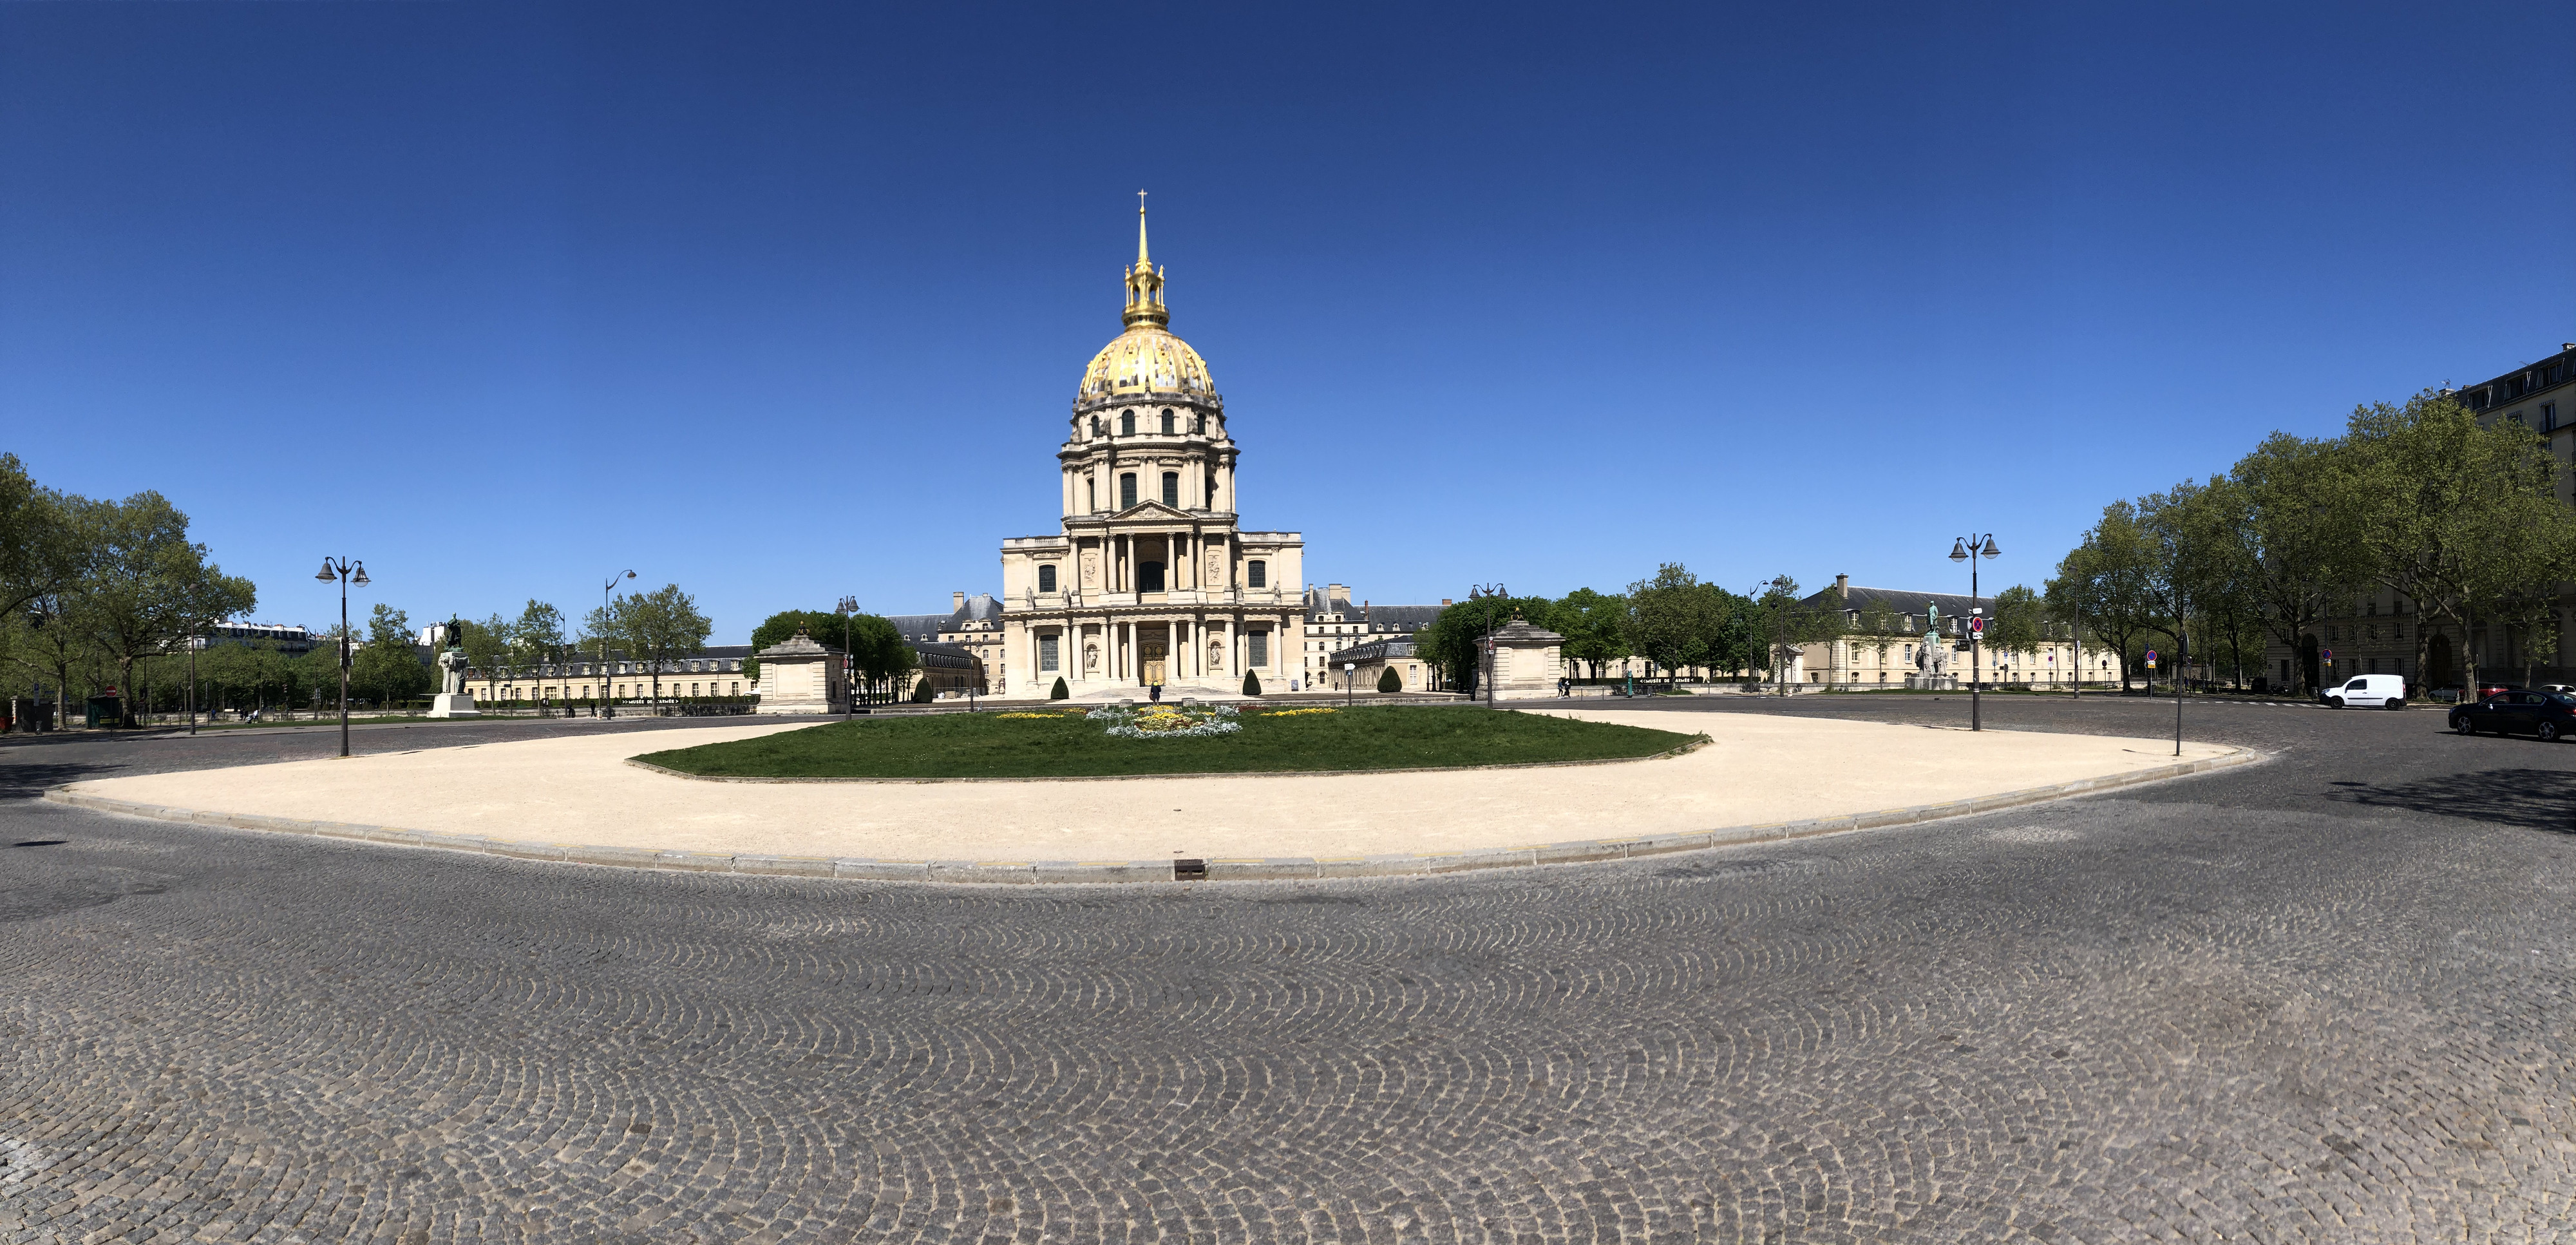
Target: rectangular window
[[1126, 489], [1260, 642], [2548, 417], [1172, 489], [1046, 582], [1046, 653], [1256, 574]]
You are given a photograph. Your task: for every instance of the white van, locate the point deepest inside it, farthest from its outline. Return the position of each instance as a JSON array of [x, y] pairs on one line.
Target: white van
[[2366, 691]]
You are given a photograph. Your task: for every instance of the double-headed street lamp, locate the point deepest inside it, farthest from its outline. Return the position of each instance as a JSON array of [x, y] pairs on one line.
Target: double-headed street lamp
[[1964, 549], [347, 572], [607, 703]]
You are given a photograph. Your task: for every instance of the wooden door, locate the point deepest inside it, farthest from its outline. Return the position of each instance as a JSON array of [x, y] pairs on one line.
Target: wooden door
[[1153, 661]]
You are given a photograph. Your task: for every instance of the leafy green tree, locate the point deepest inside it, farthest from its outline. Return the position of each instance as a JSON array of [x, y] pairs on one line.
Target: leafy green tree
[[49, 646], [42, 547], [487, 644], [1595, 627], [660, 627], [2454, 518], [389, 670], [2107, 583], [146, 587], [1779, 623], [1453, 641], [536, 639], [1671, 620], [2292, 518]]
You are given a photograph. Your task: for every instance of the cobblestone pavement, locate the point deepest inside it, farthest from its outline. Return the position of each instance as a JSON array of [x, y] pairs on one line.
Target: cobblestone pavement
[[2323, 998]]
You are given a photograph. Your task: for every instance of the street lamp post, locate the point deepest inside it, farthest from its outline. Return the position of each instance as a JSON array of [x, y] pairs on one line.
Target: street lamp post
[[607, 703], [848, 608], [347, 572], [1350, 680], [1964, 549], [1480, 592]]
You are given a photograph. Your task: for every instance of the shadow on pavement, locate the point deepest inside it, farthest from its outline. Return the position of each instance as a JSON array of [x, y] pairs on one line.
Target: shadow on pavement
[[2533, 799], [26, 782]]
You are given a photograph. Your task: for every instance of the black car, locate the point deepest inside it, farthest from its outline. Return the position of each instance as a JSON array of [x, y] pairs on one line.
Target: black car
[[2549, 715]]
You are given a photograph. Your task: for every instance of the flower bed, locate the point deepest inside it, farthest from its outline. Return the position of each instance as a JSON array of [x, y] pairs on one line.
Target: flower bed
[[1166, 721]]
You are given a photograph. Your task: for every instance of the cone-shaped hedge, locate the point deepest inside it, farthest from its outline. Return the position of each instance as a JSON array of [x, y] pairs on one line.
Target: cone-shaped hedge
[[1390, 681], [923, 694], [1251, 683], [1060, 692]]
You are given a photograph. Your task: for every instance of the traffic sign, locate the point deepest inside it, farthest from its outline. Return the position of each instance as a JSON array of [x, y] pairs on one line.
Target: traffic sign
[[2326, 653], [1976, 626], [2151, 659]]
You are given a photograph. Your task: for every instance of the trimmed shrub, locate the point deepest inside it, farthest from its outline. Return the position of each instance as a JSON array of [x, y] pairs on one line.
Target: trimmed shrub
[[923, 694], [1251, 683], [1390, 681], [1061, 692]]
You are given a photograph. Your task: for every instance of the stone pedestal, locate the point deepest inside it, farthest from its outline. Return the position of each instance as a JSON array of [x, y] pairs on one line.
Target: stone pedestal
[[1932, 682], [798, 675], [1526, 662], [453, 705]]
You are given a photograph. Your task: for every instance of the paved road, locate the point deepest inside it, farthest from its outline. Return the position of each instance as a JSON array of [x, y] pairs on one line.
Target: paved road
[[2323, 998]]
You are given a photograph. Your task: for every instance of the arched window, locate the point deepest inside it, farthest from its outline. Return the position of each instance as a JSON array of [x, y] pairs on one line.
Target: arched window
[[1168, 428], [1198, 423], [1126, 423], [1046, 578], [1126, 489], [1256, 575], [1096, 429], [1172, 489]]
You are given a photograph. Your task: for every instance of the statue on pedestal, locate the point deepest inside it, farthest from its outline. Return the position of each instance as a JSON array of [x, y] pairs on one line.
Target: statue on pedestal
[[453, 701]]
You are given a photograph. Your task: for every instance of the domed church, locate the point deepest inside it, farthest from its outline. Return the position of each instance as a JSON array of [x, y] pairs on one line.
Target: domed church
[[1151, 581]]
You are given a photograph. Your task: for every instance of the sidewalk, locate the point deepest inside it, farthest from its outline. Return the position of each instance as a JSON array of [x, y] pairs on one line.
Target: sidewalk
[[1759, 770]]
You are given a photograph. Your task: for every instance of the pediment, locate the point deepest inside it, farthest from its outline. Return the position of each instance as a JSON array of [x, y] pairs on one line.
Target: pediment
[[1150, 510]]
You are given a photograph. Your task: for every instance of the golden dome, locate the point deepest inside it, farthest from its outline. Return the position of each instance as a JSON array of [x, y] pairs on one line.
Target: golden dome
[[1146, 358]]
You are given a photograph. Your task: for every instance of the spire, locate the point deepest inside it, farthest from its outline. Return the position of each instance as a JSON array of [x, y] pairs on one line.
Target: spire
[[1142, 258], [1144, 281]]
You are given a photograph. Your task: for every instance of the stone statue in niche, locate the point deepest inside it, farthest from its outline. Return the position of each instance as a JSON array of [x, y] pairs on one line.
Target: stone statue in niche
[[1091, 659], [1216, 568], [1091, 568], [1216, 656]]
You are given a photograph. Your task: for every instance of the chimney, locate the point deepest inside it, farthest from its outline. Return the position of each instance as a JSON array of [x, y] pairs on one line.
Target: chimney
[[1842, 584], [1445, 601], [956, 601]]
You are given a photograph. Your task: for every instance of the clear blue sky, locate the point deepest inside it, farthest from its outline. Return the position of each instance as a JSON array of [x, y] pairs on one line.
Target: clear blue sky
[[783, 302]]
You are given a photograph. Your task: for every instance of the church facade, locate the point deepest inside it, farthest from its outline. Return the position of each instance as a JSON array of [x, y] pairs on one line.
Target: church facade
[[1151, 580]]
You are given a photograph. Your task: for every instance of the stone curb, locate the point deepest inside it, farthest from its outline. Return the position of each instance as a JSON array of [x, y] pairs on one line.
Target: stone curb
[[1695, 743], [1023, 872]]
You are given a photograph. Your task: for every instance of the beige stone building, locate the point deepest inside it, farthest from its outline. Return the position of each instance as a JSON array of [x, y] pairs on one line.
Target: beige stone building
[[1885, 635], [1151, 579], [709, 672]]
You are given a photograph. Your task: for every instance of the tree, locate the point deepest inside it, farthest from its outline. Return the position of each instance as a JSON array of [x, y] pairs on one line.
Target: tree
[[145, 586], [824, 626], [2108, 582], [1454, 640], [41, 549], [1779, 623], [1389, 681], [2453, 517], [660, 627], [2292, 525], [1251, 683], [48, 645], [487, 644], [880, 653], [536, 639], [2020, 621], [1060, 692], [1595, 627], [1672, 620], [389, 670]]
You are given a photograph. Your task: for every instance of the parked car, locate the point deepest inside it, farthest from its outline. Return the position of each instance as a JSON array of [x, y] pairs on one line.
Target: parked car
[[2369, 691], [2486, 689], [2514, 711]]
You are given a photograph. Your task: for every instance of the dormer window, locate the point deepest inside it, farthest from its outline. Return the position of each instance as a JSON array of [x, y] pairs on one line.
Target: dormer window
[[1126, 423]]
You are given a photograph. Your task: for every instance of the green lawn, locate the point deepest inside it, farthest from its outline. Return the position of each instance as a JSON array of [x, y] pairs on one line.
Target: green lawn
[[989, 745]]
